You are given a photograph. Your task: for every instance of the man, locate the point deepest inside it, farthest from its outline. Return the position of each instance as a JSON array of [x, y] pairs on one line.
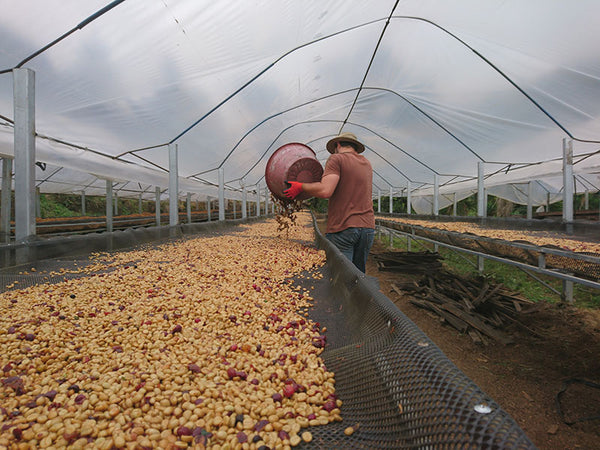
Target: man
[[347, 183]]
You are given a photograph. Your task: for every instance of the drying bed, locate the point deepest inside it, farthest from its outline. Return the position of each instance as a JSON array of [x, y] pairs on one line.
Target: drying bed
[[378, 383], [555, 251]]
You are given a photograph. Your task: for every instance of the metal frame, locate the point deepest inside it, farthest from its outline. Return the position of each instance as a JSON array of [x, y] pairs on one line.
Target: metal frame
[[566, 278]]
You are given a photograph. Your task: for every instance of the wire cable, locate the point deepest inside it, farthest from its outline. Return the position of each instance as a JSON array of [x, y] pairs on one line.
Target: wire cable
[[387, 22], [65, 35]]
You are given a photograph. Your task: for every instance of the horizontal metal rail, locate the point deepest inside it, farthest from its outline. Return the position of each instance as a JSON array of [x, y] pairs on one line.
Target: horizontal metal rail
[[520, 245], [520, 265]]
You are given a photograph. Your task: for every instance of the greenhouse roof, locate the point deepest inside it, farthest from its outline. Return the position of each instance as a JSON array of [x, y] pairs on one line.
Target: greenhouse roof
[[432, 88]]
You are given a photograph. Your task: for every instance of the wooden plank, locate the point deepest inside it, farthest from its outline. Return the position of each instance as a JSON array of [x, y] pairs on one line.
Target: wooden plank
[[482, 293], [466, 291], [438, 296], [409, 286], [517, 306], [477, 337], [456, 322], [518, 298], [478, 324], [484, 298]]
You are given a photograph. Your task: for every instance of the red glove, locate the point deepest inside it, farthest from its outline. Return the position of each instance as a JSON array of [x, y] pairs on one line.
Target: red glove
[[294, 190]]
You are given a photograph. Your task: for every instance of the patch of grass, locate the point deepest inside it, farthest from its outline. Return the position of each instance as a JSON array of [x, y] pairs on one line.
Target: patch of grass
[[51, 209], [513, 278]]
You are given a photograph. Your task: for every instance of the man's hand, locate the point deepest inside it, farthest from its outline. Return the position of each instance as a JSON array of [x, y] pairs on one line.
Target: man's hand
[[294, 190]]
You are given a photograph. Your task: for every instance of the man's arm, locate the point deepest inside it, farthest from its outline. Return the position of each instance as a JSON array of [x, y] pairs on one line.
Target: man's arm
[[323, 188]]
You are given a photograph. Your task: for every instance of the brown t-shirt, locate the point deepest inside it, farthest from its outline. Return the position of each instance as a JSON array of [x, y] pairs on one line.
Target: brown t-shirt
[[351, 204]]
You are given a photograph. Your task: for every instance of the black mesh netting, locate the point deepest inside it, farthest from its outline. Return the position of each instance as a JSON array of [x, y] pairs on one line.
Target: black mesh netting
[[398, 389]]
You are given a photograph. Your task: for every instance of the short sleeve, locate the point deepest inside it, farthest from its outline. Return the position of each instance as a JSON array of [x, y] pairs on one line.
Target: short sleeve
[[333, 166]]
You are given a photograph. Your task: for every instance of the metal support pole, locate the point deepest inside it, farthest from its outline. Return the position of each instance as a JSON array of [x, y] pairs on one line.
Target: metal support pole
[[173, 186], [24, 149], [157, 205], [391, 199], [6, 200], [116, 196], [140, 204], [408, 198], [567, 180], [454, 206], [436, 194], [481, 209], [244, 202], [480, 264], [188, 205], [267, 203], [83, 203], [567, 291], [258, 200], [38, 202], [208, 208], [586, 199], [221, 194], [542, 261], [530, 200], [485, 202], [379, 200], [109, 206]]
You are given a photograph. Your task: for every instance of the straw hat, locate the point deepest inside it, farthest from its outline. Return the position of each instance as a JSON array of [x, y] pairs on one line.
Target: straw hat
[[345, 137]]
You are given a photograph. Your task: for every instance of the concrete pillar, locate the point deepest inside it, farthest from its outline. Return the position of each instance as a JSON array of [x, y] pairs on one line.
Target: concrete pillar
[[24, 148]]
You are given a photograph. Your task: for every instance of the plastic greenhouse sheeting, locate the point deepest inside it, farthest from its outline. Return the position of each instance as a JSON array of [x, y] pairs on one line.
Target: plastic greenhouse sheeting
[[431, 87]]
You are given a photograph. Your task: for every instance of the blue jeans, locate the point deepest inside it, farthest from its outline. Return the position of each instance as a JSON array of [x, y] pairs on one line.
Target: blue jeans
[[355, 244]]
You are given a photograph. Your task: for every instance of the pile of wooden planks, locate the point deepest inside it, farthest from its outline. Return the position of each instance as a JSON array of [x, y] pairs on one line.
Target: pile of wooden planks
[[408, 262], [471, 305]]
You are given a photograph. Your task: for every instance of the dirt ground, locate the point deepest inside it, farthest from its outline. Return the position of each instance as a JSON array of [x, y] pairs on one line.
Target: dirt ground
[[560, 344]]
